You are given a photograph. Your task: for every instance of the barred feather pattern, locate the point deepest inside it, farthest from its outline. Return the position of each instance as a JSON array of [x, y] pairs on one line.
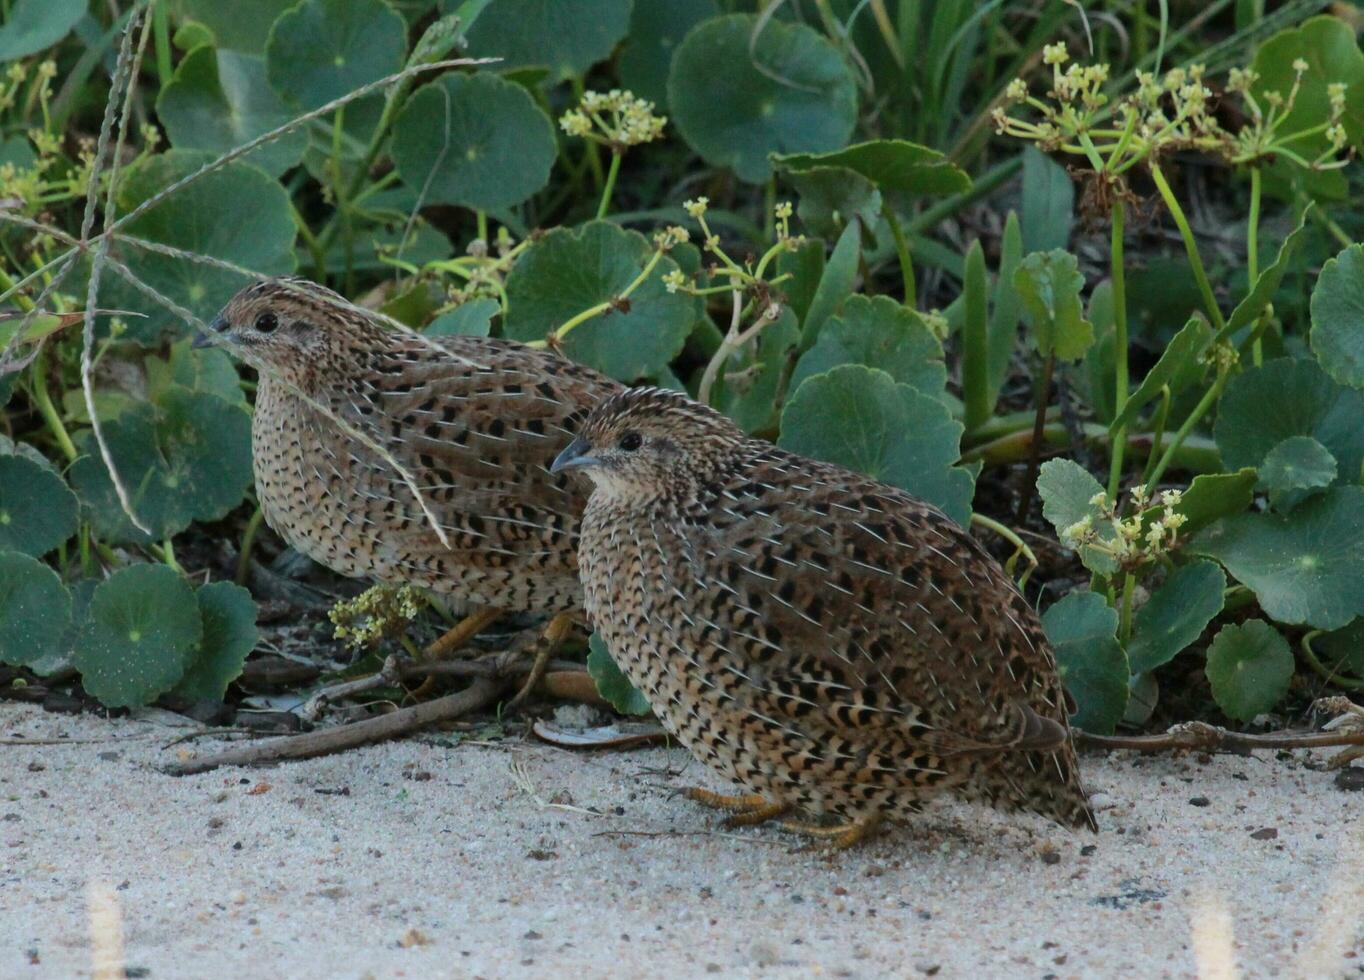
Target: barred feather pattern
[[825, 640], [475, 420]]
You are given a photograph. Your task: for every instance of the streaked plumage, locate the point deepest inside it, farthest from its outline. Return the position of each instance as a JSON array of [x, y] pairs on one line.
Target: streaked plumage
[[829, 642], [476, 422]]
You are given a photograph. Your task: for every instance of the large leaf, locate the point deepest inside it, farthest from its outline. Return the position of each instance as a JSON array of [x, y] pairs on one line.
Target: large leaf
[[835, 283], [656, 29], [1006, 309], [205, 217], [220, 99], [566, 38], [1267, 283], [1297, 463], [1304, 567], [33, 25], [37, 510], [1049, 284], [1083, 630], [860, 418], [1209, 497], [1338, 317], [611, 683], [242, 25], [1249, 668], [566, 272], [830, 197], [741, 89], [229, 617], [474, 140], [321, 49], [473, 318], [35, 610], [1175, 615], [1180, 366], [880, 333], [1068, 490], [140, 635], [187, 458], [1048, 202], [1342, 650], [892, 165]]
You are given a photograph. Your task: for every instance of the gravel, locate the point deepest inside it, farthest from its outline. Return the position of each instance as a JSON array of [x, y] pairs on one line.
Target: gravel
[[431, 858]]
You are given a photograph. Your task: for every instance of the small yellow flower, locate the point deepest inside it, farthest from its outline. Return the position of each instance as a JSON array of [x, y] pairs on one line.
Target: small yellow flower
[[1055, 54], [696, 208], [673, 281], [1016, 91]]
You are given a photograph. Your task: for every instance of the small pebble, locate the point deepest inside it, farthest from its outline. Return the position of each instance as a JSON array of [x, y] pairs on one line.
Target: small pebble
[[1200, 801]]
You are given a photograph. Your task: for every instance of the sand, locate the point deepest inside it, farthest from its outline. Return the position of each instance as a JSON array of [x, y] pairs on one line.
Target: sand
[[435, 857]]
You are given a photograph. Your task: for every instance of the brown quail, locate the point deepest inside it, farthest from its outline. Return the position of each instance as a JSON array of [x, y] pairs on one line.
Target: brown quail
[[832, 644], [475, 422]]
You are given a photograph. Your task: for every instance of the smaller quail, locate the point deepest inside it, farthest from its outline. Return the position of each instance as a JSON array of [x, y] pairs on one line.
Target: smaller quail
[[839, 648]]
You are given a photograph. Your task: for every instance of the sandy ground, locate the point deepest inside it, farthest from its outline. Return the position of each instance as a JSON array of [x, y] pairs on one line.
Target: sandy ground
[[427, 858]]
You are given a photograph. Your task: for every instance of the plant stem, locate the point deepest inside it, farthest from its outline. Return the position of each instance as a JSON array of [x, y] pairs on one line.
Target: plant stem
[[43, 400], [1331, 676], [1129, 583], [248, 539], [167, 554], [1011, 536], [1253, 252], [1190, 246], [1035, 449], [161, 28], [1118, 275], [902, 252], [727, 347], [602, 307], [1206, 402], [609, 189], [1157, 434]]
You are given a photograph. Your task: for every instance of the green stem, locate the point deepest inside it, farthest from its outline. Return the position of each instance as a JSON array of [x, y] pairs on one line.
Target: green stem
[[983, 187], [902, 252], [1157, 434], [602, 307], [481, 218], [1035, 448], [43, 400], [1315, 663], [1253, 253], [1011, 536], [161, 28], [248, 539], [1118, 275], [1190, 246], [1129, 584], [609, 189], [1206, 402], [167, 554]]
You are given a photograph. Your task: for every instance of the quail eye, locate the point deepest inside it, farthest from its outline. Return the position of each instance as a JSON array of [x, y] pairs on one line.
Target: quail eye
[[630, 442], [267, 322]]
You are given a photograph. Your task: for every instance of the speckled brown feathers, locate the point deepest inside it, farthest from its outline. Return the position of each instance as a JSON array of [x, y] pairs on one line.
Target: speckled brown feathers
[[829, 642], [475, 421]]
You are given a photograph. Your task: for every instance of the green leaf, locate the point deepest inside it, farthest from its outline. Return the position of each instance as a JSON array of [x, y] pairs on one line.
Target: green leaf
[[187, 458], [37, 510], [860, 418], [220, 99], [1267, 283], [1098, 366], [1306, 566], [1180, 366], [892, 165], [32, 25], [1297, 463], [473, 318], [611, 683], [242, 25], [1339, 651], [1067, 490], [805, 266], [1249, 668], [1049, 284], [1006, 308], [321, 49], [35, 610], [830, 197], [140, 635], [1048, 202], [881, 333], [1209, 497], [1332, 54], [1289, 397], [1083, 630], [1176, 615], [567, 271], [203, 217], [566, 38], [751, 400], [742, 89], [656, 29], [229, 616], [474, 140], [1338, 317], [208, 369], [835, 283]]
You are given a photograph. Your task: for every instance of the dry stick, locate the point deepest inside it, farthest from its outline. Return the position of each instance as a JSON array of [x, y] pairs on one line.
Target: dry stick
[[480, 694], [1211, 738]]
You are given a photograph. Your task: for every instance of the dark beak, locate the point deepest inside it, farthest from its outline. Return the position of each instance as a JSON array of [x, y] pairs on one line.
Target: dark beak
[[575, 455], [218, 326]]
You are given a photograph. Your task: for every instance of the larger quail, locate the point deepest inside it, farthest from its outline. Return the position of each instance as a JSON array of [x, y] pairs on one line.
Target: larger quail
[[475, 422], [837, 647]]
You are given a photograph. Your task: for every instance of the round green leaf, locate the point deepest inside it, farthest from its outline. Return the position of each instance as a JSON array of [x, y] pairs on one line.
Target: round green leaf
[[881, 333], [569, 271], [1249, 668], [242, 25], [220, 99], [229, 617], [139, 636], [566, 38], [830, 197], [1289, 397], [1049, 284], [1176, 615], [892, 165], [611, 683], [1331, 51], [1067, 490], [1297, 463], [32, 25], [187, 458], [860, 418], [656, 29], [471, 319], [322, 49], [741, 89], [1306, 566], [1338, 317], [204, 217], [35, 610], [1083, 629], [474, 140], [37, 510]]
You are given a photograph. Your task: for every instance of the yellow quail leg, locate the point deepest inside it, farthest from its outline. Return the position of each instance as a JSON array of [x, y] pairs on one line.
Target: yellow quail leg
[[461, 633], [555, 633], [744, 811], [839, 837]]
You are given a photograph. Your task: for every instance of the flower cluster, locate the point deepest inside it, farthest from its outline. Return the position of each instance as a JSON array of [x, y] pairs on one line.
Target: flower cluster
[[617, 119], [377, 612], [1150, 532]]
